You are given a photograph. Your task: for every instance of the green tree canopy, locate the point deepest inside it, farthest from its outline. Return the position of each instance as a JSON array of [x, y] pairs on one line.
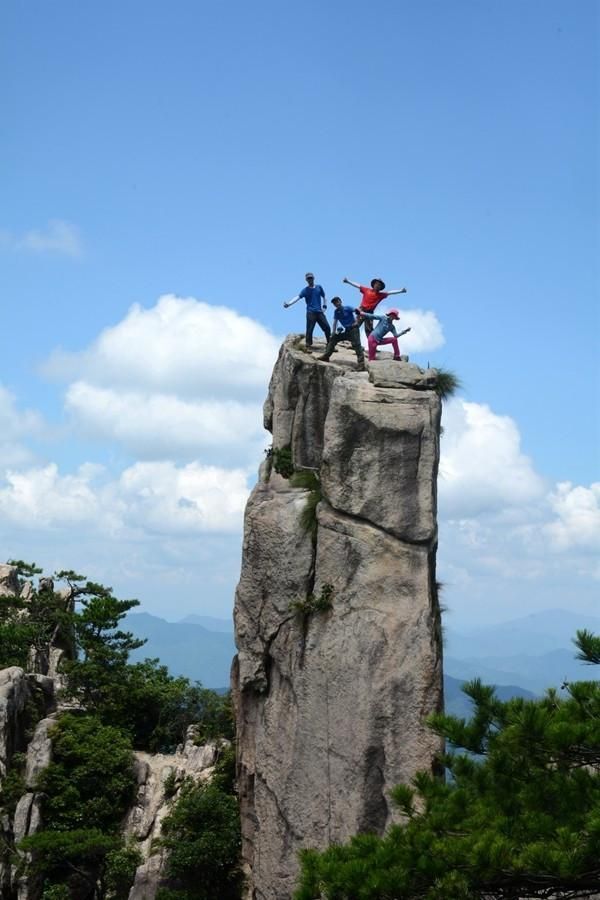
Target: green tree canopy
[[518, 817], [202, 838], [86, 790]]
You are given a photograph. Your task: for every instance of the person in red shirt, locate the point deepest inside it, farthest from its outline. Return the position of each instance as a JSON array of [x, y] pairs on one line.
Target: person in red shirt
[[371, 297]]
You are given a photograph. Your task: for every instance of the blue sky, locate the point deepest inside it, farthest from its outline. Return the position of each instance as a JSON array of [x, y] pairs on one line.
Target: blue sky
[[217, 151]]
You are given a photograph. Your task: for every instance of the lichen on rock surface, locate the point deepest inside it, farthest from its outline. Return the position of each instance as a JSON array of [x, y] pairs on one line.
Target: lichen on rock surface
[[331, 705]]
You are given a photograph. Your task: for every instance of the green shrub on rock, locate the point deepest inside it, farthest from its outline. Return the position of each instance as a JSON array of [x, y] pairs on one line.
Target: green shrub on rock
[[202, 838]]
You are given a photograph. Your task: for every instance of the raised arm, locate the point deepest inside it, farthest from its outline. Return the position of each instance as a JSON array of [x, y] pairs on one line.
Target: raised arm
[[353, 283], [399, 291], [366, 315], [291, 302]]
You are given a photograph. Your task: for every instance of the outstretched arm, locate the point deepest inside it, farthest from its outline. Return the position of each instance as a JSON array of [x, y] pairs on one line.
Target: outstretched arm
[[292, 301], [399, 291], [365, 315], [353, 283]]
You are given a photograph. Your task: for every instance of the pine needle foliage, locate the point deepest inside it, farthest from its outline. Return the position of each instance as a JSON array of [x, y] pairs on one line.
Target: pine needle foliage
[[518, 819], [447, 384]]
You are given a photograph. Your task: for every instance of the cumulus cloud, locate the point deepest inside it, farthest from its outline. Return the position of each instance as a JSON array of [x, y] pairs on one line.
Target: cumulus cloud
[[577, 516], [193, 498], [180, 380], [15, 427], [146, 498], [482, 467], [426, 334], [162, 425], [58, 237], [508, 541], [180, 346]]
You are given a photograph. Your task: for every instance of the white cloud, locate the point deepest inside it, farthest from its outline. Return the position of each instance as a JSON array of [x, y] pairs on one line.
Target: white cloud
[[509, 542], [577, 512], [57, 237], [181, 380], [40, 498], [482, 467], [164, 498], [165, 426], [180, 346], [426, 334], [15, 427], [147, 498]]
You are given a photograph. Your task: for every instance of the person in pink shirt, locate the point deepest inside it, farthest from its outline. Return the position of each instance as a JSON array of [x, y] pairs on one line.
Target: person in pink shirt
[[371, 297]]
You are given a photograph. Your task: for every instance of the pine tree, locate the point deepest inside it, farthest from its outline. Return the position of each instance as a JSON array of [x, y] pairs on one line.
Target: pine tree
[[518, 816]]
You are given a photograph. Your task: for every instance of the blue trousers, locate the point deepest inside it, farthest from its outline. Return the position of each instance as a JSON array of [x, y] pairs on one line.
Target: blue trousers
[[316, 318]]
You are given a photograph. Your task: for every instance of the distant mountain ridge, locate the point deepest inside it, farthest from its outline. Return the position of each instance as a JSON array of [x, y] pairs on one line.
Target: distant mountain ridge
[[458, 704], [524, 655], [189, 649], [535, 652], [210, 623]]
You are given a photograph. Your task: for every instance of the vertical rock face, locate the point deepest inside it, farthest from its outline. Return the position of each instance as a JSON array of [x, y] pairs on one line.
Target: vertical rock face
[[331, 704]]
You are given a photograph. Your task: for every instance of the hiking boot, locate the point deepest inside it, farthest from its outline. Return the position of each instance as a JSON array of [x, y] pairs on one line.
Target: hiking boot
[[323, 358], [398, 358], [361, 367]]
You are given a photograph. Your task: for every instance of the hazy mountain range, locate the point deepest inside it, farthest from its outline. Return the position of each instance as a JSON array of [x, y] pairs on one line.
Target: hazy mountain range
[[522, 656]]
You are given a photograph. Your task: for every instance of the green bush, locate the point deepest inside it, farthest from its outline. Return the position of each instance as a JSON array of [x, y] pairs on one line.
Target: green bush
[[119, 873], [282, 461], [313, 603], [202, 838], [86, 790]]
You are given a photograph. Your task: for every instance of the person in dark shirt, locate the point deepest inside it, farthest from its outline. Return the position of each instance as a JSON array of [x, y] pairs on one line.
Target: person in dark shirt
[[314, 295], [348, 330]]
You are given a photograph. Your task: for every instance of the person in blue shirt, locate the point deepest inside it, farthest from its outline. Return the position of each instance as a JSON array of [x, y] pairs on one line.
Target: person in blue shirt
[[384, 325], [314, 295], [348, 330]]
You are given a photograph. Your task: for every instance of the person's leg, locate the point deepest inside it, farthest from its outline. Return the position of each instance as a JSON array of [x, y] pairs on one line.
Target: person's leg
[[354, 335], [331, 345], [310, 327], [368, 326], [372, 342], [394, 342], [321, 318]]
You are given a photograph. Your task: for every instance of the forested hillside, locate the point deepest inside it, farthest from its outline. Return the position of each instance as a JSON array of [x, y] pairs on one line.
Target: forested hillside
[[81, 723]]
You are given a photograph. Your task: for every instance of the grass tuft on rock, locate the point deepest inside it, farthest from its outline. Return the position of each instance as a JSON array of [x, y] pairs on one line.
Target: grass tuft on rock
[[308, 480], [447, 384]]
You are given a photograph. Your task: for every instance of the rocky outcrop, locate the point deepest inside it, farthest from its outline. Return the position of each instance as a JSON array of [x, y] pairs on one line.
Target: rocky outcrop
[[24, 698], [331, 702], [160, 777], [9, 581]]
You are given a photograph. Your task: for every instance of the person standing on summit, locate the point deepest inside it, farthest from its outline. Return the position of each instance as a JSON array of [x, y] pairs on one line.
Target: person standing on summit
[[371, 297], [314, 295]]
